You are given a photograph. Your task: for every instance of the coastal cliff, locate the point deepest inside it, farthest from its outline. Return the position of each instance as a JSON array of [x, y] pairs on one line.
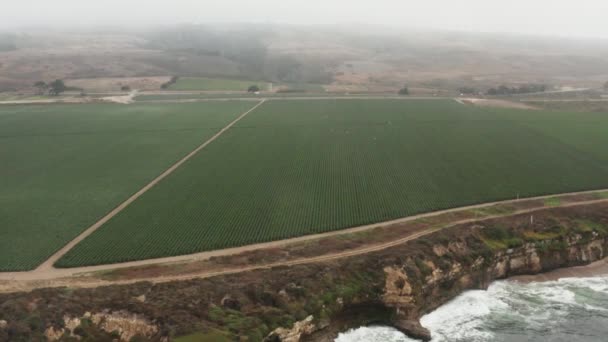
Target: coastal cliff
[[463, 259], [315, 302]]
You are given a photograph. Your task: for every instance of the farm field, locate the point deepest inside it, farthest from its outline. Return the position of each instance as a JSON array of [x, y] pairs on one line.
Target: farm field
[[65, 166], [599, 106], [303, 87], [161, 97], [309, 166], [211, 84]]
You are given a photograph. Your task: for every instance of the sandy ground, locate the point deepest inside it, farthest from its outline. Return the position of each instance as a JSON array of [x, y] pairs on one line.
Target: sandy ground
[[115, 83], [47, 101], [121, 99], [596, 269]]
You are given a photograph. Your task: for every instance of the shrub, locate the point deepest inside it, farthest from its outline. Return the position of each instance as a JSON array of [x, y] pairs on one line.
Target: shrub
[[172, 81], [423, 267]]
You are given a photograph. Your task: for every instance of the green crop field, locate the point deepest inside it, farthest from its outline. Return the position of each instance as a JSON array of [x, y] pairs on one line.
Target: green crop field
[[300, 167], [210, 84], [63, 167], [284, 95], [303, 87]]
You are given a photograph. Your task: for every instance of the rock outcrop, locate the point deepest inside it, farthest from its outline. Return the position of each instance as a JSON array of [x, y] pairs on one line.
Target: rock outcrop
[[124, 324], [417, 283], [304, 327]]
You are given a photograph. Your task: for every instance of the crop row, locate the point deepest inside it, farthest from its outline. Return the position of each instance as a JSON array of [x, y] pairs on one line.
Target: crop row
[[300, 167], [62, 167]]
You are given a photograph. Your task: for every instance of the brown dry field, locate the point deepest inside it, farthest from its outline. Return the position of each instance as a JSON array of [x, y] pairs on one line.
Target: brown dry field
[[373, 60], [104, 84]]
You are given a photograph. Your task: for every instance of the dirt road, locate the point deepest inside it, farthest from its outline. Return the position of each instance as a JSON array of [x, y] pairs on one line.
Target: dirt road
[[49, 276], [291, 98], [47, 266], [494, 103], [85, 277]]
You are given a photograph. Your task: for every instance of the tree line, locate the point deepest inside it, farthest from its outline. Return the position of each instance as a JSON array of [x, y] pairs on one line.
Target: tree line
[[524, 89], [53, 88], [169, 83], [245, 47]]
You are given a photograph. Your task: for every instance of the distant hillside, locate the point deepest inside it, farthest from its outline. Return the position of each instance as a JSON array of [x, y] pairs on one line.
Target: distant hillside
[[368, 60]]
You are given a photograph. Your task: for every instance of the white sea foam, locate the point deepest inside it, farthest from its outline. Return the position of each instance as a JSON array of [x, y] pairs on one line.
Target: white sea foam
[[369, 334], [510, 311]]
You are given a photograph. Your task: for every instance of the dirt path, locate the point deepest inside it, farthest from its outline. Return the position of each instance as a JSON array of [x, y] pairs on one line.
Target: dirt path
[[121, 99], [291, 98], [494, 103], [45, 101], [48, 276], [83, 280], [47, 267]]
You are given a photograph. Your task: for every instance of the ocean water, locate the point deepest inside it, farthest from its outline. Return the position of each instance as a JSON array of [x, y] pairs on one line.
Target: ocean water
[[569, 309]]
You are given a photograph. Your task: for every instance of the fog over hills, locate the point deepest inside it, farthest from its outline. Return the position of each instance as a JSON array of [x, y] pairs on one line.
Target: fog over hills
[[539, 17]]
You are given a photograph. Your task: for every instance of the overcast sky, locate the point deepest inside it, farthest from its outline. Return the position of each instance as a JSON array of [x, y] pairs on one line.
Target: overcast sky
[[574, 18]]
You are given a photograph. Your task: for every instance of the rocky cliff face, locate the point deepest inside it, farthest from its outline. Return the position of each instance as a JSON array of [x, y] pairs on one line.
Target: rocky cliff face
[[416, 284], [413, 297]]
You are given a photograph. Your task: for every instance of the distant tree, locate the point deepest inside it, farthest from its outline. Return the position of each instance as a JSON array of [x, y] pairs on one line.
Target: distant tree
[[169, 83], [41, 86], [57, 87], [404, 91], [253, 89], [523, 89], [125, 88], [504, 90], [467, 90]]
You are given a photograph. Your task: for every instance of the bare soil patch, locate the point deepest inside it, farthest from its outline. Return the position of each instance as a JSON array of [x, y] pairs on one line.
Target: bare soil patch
[[122, 99], [105, 84]]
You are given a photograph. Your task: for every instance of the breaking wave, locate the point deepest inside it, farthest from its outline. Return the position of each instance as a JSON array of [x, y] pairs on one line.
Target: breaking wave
[[569, 309]]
